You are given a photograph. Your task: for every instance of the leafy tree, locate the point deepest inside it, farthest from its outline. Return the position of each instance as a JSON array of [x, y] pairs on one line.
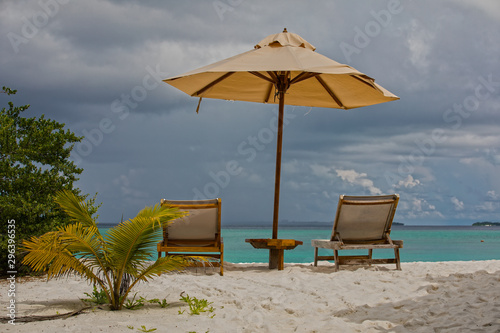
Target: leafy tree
[[116, 262], [34, 165]]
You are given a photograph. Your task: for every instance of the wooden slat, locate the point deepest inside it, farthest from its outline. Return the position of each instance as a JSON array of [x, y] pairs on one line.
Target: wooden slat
[[325, 258], [204, 206], [355, 261], [339, 246], [367, 246], [215, 256], [204, 264], [187, 249]]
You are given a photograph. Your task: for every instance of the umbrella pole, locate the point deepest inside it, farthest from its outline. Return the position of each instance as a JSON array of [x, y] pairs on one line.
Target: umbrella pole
[[278, 165], [276, 255]]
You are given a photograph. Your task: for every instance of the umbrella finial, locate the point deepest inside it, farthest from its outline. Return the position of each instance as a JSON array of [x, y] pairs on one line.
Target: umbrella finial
[[284, 30]]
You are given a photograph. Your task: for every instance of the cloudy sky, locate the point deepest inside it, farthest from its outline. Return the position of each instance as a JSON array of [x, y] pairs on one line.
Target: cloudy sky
[[97, 66]]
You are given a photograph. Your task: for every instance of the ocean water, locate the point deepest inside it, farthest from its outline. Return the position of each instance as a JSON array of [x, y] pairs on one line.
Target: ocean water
[[421, 243]]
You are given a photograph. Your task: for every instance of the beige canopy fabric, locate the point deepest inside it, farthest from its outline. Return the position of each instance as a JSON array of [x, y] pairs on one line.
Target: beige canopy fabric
[[283, 68], [314, 79]]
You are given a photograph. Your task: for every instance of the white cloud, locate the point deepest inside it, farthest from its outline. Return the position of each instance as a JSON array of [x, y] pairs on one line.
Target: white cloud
[[459, 205], [355, 178], [416, 208], [487, 207], [490, 7], [322, 171], [419, 42], [492, 195], [408, 182]]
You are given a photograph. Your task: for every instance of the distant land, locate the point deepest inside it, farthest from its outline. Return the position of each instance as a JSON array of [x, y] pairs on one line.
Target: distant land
[[486, 224]]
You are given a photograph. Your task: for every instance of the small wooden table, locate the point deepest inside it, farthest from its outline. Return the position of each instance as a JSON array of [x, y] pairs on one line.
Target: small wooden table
[[276, 249]]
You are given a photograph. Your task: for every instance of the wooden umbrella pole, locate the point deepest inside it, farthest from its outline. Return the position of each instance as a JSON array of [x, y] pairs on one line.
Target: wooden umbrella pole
[[276, 255], [278, 164]]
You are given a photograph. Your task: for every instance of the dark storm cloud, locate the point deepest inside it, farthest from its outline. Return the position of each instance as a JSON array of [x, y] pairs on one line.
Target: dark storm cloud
[[98, 65]]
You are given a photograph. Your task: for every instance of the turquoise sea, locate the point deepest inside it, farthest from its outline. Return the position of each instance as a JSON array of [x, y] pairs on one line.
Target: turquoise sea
[[421, 243]]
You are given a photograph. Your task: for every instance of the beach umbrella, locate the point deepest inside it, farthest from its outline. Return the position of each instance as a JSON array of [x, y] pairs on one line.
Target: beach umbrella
[[283, 69]]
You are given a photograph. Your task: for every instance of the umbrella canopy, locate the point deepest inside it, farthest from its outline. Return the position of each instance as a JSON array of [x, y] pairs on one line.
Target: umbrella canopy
[[312, 79], [283, 68]]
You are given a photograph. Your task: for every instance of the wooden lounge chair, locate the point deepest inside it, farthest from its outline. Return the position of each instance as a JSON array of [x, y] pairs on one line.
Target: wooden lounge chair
[[361, 222], [198, 234]]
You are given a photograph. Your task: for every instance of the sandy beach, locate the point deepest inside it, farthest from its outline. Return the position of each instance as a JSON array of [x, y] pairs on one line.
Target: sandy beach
[[423, 297]]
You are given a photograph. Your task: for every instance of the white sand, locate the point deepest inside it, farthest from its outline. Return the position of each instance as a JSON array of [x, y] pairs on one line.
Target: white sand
[[423, 297]]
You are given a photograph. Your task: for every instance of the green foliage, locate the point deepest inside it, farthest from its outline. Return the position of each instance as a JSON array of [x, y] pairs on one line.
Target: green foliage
[[135, 304], [196, 306], [97, 296], [144, 329], [486, 224], [116, 262], [34, 164], [163, 303]]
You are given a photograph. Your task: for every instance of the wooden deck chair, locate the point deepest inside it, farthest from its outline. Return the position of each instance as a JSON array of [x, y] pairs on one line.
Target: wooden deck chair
[[198, 234], [361, 222]]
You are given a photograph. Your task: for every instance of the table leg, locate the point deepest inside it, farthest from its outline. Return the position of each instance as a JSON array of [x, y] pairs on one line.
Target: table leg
[[281, 259], [274, 258]]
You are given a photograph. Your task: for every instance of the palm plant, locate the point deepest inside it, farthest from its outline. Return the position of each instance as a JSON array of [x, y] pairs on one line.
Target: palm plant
[[116, 261]]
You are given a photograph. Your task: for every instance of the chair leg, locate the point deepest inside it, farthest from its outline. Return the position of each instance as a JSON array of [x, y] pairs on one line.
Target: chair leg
[[398, 261], [370, 253], [221, 259], [159, 256], [336, 258], [315, 257]]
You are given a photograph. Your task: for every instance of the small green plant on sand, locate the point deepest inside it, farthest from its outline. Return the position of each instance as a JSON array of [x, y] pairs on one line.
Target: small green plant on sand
[[135, 304], [196, 306], [144, 329], [97, 296], [163, 303]]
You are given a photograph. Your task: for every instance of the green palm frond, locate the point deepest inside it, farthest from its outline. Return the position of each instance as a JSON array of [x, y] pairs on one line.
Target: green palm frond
[[77, 209], [131, 241], [41, 251], [116, 262], [161, 214], [86, 243], [72, 249]]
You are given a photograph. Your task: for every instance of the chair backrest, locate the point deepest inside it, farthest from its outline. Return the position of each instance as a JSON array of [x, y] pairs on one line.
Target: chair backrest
[[364, 218], [202, 223]]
